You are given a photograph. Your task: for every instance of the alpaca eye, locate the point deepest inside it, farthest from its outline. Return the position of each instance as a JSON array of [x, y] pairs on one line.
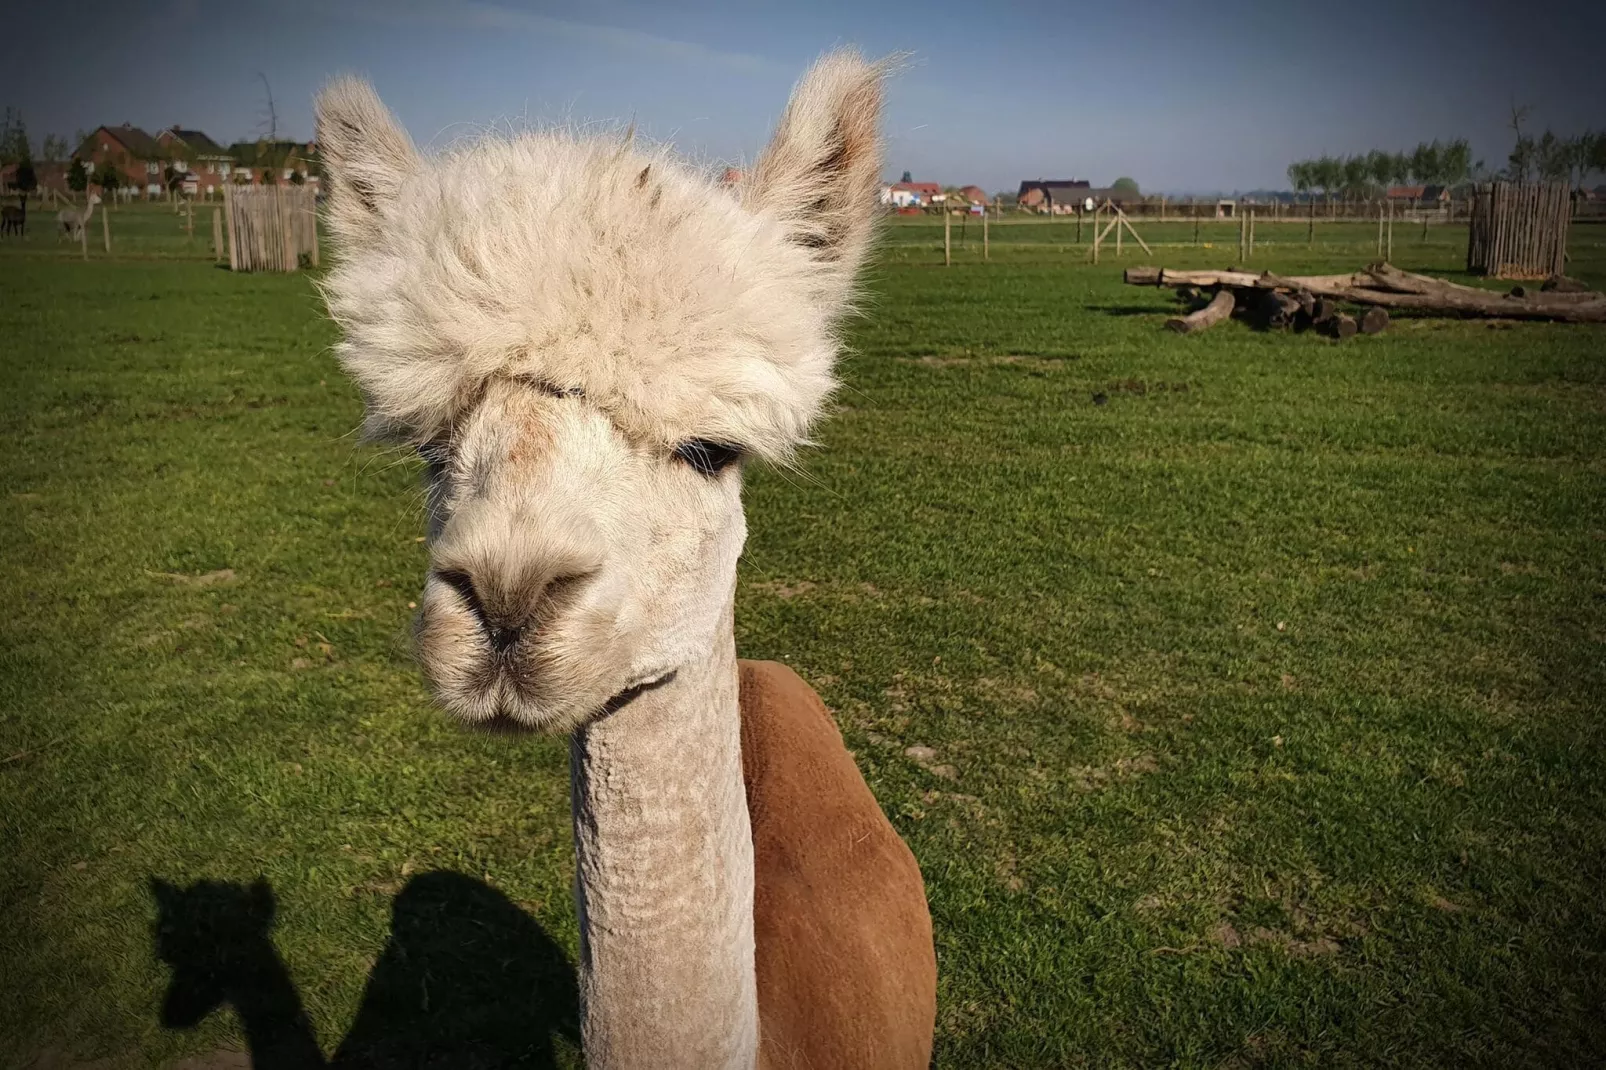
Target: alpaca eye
[[709, 458], [553, 389]]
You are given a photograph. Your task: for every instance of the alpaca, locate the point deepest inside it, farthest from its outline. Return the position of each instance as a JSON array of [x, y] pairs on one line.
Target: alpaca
[[74, 220], [15, 220], [587, 341]]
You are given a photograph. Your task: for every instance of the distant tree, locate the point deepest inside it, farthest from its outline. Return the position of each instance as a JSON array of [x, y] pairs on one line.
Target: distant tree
[[1327, 172], [1128, 186], [1300, 177], [1379, 168], [172, 178], [1357, 176], [1596, 155], [14, 147], [109, 177], [78, 177], [54, 149], [25, 179], [1455, 162], [1520, 164]]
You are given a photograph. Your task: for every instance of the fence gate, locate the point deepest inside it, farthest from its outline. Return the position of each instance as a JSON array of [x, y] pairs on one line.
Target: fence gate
[[1519, 229], [271, 228]]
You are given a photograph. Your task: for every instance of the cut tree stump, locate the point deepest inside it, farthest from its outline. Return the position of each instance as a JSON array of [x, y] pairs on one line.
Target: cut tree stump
[[1219, 308], [1340, 327], [1374, 321]]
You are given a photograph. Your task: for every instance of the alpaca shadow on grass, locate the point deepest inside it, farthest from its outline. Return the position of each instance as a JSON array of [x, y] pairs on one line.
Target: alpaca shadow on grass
[[466, 980]]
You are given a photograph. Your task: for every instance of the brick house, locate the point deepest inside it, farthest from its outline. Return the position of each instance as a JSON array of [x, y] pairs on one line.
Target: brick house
[[275, 162], [132, 151], [207, 165]]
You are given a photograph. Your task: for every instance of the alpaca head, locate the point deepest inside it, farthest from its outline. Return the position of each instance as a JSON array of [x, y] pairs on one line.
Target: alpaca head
[[585, 340]]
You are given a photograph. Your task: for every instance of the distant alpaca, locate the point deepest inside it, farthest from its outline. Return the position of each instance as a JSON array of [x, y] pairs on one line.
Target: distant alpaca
[[15, 219], [74, 220]]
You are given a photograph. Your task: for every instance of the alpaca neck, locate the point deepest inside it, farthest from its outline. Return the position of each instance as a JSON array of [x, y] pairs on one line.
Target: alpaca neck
[[664, 869]]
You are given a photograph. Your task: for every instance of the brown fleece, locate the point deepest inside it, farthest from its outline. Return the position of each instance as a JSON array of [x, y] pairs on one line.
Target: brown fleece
[[847, 975]]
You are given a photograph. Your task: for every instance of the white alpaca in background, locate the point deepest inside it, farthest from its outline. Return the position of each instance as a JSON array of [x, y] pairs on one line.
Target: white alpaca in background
[[74, 220]]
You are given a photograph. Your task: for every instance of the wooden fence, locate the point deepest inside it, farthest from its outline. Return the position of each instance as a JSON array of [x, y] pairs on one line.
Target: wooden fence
[[271, 228], [1519, 230]]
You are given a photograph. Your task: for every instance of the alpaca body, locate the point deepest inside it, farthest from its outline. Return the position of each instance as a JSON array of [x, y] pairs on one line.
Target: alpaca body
[[847, 976], [15, 220], [74, 220], [585, 341]]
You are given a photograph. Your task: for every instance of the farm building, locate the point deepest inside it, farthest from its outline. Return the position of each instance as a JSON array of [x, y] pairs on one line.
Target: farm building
[[1053, 195], [135, 154], [1432, 195], [974, 195], [206, 164], [912, 194]]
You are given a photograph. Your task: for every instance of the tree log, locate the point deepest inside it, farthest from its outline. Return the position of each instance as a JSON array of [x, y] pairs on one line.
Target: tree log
[[1219, 308], [1340, 327], [1275, 310], [1374, 321], [1388, 287]]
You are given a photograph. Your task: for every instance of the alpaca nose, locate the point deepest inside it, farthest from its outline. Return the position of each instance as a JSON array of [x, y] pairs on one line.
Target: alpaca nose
[[504, 615]]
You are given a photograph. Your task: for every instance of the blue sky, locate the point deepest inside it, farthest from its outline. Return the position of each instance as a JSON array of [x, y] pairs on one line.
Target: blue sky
[[1182, 97]]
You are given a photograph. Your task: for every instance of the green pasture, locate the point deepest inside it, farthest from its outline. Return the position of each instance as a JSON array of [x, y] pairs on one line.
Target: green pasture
[[1256, 681]]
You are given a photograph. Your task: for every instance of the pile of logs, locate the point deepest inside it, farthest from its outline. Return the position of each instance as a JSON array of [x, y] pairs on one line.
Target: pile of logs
[[1311, 302]]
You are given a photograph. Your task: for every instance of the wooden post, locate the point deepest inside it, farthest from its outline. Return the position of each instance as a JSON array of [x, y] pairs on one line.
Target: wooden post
[[229, 203], [1310, 235], [189, 220], [947, 237], [1118, 236], [106, 230], [291, 260], [1389, 252], [986, 250], [1079, 227], [1251, 234], [1380, 232], [312, 227], [1196, 224]]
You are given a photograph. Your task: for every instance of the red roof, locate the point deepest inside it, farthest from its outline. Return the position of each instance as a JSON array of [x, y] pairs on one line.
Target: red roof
[[918, 187]]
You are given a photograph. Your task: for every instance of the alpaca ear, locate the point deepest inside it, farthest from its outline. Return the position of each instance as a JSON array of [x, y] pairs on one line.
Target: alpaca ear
[[822, 168], [367, 156]]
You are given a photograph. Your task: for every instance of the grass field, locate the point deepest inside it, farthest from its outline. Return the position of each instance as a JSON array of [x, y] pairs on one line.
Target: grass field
[[1262, 679]]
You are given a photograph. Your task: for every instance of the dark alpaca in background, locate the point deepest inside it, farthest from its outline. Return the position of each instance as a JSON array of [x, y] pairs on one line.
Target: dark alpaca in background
[[15, 220]]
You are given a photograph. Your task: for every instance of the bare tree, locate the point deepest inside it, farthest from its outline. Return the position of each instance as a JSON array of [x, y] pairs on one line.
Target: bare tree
[[273, 113]]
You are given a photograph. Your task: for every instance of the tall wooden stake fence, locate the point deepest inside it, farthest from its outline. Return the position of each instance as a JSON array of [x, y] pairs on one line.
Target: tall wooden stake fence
[[270, 228], [1519, 230]]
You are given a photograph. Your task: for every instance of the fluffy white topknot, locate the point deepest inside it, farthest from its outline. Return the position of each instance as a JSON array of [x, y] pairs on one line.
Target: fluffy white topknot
[[681, 308]]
